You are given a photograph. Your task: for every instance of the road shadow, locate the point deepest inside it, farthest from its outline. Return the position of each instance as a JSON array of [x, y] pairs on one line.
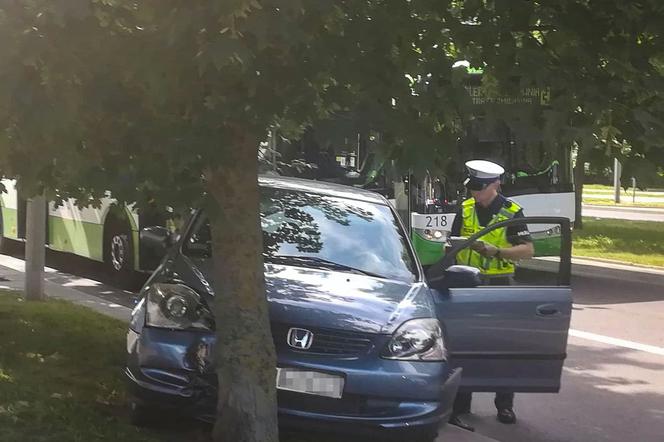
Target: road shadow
[[608, 394], [591, 291]]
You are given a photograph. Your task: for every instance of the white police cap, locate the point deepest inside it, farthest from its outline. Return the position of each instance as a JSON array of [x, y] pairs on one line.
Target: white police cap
[[484, 170]]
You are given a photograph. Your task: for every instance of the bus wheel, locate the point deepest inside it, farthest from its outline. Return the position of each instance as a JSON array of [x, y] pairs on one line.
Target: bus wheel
[[119, 252]]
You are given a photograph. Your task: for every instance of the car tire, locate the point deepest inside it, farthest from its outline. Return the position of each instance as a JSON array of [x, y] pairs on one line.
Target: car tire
[[119, 252]]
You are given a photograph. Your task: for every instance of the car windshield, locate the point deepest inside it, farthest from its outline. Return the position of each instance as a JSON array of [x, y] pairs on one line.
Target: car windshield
[[309, 229]]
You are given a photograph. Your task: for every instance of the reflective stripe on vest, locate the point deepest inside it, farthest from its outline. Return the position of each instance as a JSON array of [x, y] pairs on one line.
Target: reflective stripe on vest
[[488, 266]]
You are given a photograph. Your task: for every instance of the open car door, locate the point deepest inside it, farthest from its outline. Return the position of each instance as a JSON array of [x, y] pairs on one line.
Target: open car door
[[509, 337]]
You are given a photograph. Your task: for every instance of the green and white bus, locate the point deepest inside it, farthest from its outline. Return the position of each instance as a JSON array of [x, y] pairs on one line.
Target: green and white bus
[[109, 234]]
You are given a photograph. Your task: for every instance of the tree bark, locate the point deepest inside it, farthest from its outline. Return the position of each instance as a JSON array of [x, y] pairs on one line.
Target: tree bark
[[245, 355], [579, 179], [35, 249]]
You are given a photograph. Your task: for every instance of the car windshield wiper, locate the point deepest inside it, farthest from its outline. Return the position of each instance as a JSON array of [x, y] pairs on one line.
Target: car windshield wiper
[[319, 262]]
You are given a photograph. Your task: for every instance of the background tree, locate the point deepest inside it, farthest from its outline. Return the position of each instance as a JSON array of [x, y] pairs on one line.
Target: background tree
[[603, 61]]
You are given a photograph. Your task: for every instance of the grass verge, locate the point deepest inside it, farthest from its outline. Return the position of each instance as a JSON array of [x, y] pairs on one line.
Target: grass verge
[[61, 375], [635, 242], [61, 380]]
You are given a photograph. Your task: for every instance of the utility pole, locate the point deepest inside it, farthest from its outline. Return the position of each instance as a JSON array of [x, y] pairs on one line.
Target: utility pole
[[272, 147], [616, 180], [35, 249], [633, 189]]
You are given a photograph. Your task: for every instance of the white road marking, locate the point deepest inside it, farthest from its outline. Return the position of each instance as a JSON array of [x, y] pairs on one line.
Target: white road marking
[[617, 342]]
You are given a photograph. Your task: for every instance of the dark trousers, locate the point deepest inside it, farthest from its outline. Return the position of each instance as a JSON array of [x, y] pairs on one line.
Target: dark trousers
[[502, 400], [463, 400]]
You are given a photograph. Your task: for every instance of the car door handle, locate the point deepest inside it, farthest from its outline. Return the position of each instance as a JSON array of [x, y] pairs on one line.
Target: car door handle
[[547, 310]]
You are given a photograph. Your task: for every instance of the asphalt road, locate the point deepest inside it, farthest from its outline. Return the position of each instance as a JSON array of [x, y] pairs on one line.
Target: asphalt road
[[612, 390], [629, 213]]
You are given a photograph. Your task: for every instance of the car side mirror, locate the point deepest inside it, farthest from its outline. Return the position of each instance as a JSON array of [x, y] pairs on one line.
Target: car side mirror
[[154, 242], [457, 276]]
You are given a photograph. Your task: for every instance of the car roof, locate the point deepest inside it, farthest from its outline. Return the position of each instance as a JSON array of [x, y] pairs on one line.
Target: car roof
[[321, 188]]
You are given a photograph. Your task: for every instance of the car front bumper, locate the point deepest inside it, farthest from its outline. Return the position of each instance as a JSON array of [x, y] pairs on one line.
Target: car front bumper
[[167, 369]]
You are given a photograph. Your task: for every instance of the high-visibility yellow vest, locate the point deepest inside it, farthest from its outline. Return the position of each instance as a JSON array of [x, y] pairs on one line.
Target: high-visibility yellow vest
[[488, 266]]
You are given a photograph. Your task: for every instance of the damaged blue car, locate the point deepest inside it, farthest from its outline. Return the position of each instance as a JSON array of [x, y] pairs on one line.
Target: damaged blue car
[[364, 342]]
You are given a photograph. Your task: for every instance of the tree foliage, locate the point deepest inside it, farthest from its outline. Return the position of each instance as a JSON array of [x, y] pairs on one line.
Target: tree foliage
[[601, 59], [148, 94]]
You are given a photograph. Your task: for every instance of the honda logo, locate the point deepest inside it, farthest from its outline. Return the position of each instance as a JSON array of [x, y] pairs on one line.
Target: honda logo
[[300, 338]]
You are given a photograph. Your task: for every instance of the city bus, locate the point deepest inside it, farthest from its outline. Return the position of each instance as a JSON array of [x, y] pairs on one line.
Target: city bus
[[109, 234]]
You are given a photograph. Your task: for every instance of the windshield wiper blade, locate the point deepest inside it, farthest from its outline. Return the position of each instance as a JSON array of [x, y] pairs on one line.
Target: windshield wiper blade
[[321, 262]]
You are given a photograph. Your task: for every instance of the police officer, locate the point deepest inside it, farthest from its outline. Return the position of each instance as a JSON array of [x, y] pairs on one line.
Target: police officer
[[494, 255]]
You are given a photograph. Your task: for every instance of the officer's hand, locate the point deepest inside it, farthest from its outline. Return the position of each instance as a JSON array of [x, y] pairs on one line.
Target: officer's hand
[[477, 246], [488, 250]]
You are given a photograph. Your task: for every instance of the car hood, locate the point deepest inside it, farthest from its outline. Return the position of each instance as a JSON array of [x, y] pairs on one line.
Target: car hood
[[303, 296]]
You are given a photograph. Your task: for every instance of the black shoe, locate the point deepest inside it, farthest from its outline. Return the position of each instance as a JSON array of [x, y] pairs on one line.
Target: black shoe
[[506, 416], [456, 421]]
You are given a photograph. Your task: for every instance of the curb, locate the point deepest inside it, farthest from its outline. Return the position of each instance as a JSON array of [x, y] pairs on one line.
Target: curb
[[62, 289], [582, 267], [612, 270], [56, 291], [620, 265], [624, 208]]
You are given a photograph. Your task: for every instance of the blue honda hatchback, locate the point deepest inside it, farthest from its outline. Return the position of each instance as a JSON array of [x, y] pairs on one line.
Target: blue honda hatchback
[[350, 310]]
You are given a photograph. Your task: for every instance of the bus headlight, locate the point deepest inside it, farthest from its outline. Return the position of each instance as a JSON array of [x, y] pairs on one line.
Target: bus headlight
[[178, 307], [433, 235]]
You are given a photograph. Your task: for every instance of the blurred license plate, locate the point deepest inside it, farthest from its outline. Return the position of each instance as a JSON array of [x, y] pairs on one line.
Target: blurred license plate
[[310, 382]]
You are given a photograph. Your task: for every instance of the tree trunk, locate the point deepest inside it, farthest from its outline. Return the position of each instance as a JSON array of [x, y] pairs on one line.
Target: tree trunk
[[245, 355], [579, 179], [35, 249]]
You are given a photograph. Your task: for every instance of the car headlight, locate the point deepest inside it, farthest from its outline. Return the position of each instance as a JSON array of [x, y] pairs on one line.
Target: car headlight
[[417, 340], [176, 306]]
